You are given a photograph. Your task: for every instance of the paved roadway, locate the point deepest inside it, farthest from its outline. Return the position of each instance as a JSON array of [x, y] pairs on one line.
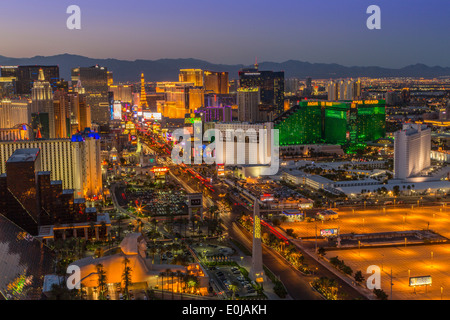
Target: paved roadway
[[295, 282]]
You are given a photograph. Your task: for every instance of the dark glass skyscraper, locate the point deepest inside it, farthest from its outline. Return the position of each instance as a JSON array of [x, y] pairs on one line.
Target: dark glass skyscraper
[[95, 83], [27, 75], [29, 198], [270, 83]]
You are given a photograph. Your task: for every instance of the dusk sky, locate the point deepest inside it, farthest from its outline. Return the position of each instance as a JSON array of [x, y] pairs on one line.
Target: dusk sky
[[233, 31]]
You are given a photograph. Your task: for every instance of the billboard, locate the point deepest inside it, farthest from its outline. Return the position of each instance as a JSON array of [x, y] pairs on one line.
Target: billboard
[[195, 200], [159, 169], [117, 110], [152, 115], [220, 170], [333, 232], [267, 197], [420, 281], [192, 120]]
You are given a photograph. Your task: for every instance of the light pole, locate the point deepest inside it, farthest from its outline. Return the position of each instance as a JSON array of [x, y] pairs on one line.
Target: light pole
[[432, 259], [391, 284]]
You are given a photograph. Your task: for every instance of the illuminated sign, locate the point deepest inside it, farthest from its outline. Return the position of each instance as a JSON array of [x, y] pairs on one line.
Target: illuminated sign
[[192, 120], [130, 125], [313, 104], [159, 169], [152, 115], [366, 101], [420, 281], [329, 232], [257, 227], [267, 197], [220, 169], [117, 110]]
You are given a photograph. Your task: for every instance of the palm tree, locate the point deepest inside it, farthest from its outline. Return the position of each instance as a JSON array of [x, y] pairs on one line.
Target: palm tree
[[172, 274], [126, 276], [153, 252], [162, 275], [233, 287], [92, 228], [168, 273], [162, 250], [185, 280], [101, 283], [179, 276]]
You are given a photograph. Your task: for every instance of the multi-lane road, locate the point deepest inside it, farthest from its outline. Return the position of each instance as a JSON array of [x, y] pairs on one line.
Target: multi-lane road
[[297, 284]]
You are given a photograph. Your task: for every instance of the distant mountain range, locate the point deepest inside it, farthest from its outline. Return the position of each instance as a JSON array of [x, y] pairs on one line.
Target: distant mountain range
[[167, 69]]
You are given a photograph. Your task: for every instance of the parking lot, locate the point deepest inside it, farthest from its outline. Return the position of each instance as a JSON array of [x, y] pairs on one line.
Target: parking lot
[[405, 262], [155, 202], [383, 219], [209, 251], [226, 276]]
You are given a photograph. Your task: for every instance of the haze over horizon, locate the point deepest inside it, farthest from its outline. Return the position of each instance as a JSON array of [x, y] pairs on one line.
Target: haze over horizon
[[216, 62], [233, 32]]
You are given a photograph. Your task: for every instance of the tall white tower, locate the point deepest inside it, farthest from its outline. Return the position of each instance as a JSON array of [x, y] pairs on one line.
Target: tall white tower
[[412, 150]]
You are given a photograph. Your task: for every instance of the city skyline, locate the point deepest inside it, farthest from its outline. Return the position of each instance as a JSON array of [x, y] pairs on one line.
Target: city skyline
[[213, 34], [218, 151]]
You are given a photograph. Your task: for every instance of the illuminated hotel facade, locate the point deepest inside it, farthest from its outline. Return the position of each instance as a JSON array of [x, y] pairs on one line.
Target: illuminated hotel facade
[[194, 76], [412, 150], [248, 100], [344, 122], [15, 112], [75, 162], [123, 93]]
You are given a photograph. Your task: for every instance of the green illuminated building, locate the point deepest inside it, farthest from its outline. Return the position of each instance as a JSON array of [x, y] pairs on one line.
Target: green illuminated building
[[347, 123]]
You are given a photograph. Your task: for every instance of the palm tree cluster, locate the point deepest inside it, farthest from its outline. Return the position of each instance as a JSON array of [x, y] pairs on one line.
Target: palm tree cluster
[[67, 251], [327, 287], [102, 287], [185, 283]]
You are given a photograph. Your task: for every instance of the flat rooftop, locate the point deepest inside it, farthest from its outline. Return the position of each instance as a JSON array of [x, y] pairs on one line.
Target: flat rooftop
[[24, 155]]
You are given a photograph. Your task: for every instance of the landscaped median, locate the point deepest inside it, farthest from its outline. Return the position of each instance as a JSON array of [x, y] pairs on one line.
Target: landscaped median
[[289, 252]]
